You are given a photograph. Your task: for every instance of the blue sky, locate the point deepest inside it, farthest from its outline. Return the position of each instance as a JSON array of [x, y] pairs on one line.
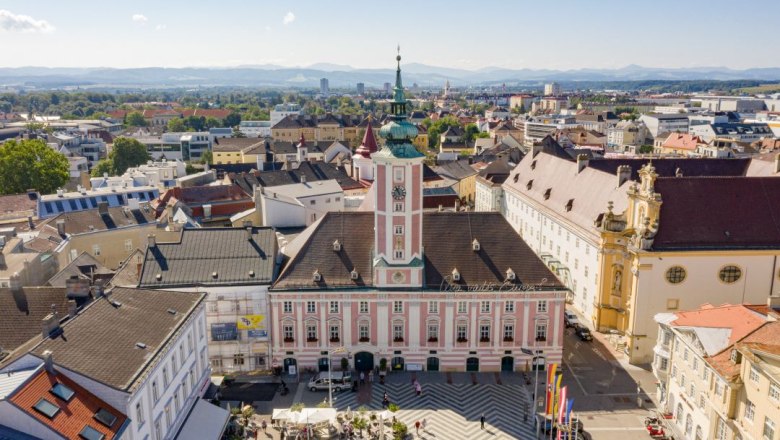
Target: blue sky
[[566, 34]]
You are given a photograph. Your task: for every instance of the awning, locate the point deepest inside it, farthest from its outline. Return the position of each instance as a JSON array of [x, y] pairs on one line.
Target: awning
[[205, 421]]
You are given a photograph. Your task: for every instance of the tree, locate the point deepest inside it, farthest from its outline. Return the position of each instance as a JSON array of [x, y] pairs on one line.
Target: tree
[[195, 123], [470, 132], [127, 152], [232, 120], [135, 119], [212, 122], [101, 168], [29, 164], [207, 157], [176, 125], [237, 133]]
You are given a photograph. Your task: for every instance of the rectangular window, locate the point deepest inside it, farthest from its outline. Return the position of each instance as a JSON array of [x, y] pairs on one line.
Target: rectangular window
[[363, 331], [128, 245], [311, 307], [398, 254], [769, 429], [238, 359], [181, 353], [774, 392], [334, 307], [433, 332], [541, 307], [398, 207], [398, 174], [189, 341], [139, 413], [167, 416], [398, 307], [176, 401], [484, 307], [363, 307], [398, 332], [541, 332], [155, 391], [754, 374], [287, 330], [433, 307], [461, 306], [173, 362], [398, 230], [334, 332], [96, 249], [311, 332], [158, 429], [461, 332], [509, 332], [484, 332], [287, 307], [750, 410], [509, 307]]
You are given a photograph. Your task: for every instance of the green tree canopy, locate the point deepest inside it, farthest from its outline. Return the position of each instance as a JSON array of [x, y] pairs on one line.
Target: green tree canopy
[[135, 119], [127, 152], [232, 120], [30, 164], [176, 125], [212, 122]]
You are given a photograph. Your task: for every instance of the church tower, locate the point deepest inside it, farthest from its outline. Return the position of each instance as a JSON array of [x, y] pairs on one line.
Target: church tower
[[398, 205]]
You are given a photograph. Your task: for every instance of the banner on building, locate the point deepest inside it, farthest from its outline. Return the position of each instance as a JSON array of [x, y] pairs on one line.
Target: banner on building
[[251, 322]]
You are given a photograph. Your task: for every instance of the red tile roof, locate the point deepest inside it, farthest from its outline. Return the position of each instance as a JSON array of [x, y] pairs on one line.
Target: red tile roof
[[219, 113], [73, 415], [682, 141], [740, 318]]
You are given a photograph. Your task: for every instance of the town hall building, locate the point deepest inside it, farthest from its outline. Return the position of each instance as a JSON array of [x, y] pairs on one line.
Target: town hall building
[[450, 291]]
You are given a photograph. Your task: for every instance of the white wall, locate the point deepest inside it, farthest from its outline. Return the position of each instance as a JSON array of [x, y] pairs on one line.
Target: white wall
[[14, 418]]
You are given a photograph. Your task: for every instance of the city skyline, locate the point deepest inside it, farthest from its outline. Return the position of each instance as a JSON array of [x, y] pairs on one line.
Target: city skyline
[[302, 34]]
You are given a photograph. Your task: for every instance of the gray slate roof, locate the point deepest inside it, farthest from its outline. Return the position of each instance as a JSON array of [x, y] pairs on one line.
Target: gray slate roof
[[193, 260]]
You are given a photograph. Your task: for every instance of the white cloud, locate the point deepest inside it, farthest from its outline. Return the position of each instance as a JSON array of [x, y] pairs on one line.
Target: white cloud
[[140, 18], [161, 27], [288, 18], [22, 23]]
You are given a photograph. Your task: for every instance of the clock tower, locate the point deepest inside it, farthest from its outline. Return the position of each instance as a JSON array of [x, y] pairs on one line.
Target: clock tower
[[398, 253]]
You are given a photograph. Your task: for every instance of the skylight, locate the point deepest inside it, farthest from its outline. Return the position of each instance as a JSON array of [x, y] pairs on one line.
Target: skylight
[[47, 408], [62, 391], [90, 433], [105, 417]]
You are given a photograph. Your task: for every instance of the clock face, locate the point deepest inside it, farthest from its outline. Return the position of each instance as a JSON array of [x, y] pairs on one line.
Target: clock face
[[399, 192], [398, 277]]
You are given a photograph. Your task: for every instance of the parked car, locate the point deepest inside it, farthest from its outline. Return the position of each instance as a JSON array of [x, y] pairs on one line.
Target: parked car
[[584, 333], [341, 381], [570, 319]]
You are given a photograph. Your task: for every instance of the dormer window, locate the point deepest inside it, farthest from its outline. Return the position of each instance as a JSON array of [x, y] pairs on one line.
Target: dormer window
[[530, 184], [316, 276], [455, 275], [510, 274], [569, 205], [516, 178], [475, 245], [336, 246], [736, 356], [533, 165], [354, 274], [547, 193]]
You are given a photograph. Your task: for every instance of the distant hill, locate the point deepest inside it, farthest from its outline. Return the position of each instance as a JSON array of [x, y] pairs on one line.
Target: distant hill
[[346, 76]]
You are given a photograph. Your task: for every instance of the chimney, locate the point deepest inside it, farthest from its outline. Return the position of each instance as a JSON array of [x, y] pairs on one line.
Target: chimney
[[50, 323], [623, 174], [441, 208], [303, 178], [678, 173], [248, 230], [48, 362], [60, 192], [582, 162], [61, 227], [457, 205], [72, 308], [3, 264], [151, 240], [30, 222], [103, 208], [15, 283]]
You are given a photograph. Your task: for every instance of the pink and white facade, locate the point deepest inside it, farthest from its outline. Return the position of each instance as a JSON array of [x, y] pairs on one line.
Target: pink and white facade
[[434, 291]]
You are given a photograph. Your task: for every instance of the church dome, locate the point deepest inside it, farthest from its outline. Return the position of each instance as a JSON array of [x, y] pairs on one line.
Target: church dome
[[398, 131]]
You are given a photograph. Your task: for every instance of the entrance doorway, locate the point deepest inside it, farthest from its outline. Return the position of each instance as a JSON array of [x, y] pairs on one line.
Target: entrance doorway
[[507, 363], [397, 363], [290, 362], [432, 364], [539, 363], [364, 361], [472, 364], [322, 364]]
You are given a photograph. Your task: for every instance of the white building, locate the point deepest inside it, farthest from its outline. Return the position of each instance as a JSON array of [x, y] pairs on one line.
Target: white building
[[552, 89], [150, 371], [235, 267], [658, 123], [324, 87], [255, 129], [162, 174], [298, 204], [626, 133], [281, 111]]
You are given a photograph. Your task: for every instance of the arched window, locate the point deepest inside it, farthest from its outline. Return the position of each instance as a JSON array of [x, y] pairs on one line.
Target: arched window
[[679, 414], [688, 425], [698, 433]]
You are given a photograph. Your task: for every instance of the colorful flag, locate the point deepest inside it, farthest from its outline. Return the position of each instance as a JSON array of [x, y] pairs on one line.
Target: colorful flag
[[556, 394], [550, 389], [561, 411], [569, 407]]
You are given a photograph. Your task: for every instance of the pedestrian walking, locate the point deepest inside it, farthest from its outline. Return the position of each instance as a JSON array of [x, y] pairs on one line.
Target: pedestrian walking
[[371, 376], [482, 421], [424, 424], [362, 378], [264, 425], [418, 389], [417, 427]]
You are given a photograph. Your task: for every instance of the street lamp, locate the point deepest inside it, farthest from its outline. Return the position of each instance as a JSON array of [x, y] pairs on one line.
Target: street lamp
[[330, 378]]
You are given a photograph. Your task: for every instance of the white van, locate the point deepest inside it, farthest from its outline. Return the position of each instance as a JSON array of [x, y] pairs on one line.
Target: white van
[[341, 381]]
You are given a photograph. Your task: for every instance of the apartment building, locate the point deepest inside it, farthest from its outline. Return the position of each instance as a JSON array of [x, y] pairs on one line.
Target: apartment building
[[658, 123]]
